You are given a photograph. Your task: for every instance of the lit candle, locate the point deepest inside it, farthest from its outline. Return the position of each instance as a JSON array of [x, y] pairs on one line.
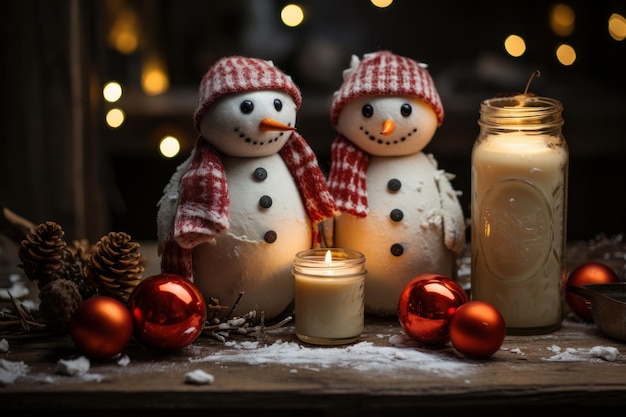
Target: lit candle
[[329, 295], [519, 204]]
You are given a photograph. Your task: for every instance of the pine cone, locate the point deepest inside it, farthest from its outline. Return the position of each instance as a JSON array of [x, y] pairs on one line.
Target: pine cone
[[41, 253], [116, 266], [80, 250], [58, 301], [76, 271]]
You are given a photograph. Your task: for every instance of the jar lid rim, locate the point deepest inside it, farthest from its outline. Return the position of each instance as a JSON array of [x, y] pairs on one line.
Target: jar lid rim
[[522, 101]]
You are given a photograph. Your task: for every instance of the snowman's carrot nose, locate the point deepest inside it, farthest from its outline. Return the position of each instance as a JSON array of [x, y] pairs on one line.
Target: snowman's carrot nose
[[388, 127], [271, 124]]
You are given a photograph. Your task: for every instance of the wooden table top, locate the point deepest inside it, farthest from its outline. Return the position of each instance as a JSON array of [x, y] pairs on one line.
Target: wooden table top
[[569, 369]]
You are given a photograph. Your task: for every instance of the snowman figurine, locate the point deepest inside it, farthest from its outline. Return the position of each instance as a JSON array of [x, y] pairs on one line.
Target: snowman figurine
[[398, 208], [249, 196]]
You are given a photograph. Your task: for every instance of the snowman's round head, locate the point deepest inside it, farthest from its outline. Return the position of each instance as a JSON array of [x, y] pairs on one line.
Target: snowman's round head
[[237, 74], [388, 125], [390, 76], [249, 124]]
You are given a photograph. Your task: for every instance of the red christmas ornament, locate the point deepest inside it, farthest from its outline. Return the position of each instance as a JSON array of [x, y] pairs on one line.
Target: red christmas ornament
[[477, 329], [587, 273], [425, 306], [168, 311], [101, 327]]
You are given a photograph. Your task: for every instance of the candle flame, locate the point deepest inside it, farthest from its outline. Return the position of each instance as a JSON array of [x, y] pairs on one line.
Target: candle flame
[[328, 258]]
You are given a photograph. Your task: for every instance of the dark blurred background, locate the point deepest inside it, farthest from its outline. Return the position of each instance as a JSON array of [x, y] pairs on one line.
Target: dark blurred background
[[59, 160]]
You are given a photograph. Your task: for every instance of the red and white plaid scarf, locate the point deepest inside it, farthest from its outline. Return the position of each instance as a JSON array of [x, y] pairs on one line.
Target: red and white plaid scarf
[[204, 204], [346, 180]]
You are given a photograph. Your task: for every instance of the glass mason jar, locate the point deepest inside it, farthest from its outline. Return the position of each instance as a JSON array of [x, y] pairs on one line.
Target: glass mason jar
[[519, 185], [329, 295]]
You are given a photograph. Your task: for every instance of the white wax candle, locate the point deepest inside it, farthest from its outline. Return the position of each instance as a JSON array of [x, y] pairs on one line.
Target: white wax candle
[[329, 296], [518, 185]]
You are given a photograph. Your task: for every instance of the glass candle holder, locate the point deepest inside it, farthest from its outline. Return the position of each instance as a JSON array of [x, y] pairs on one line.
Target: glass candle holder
[[519, 204], [329, 295]]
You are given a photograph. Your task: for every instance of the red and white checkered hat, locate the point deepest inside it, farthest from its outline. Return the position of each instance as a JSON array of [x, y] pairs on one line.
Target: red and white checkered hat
[[384, 73], [237, 74]]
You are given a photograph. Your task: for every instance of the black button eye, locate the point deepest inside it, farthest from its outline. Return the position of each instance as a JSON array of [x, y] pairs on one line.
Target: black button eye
[[367, 110], [246, 106], [406, 109], [278, 105]]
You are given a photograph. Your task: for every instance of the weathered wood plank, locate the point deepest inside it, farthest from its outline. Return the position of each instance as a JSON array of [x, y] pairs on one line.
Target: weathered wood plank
[[525, 371]]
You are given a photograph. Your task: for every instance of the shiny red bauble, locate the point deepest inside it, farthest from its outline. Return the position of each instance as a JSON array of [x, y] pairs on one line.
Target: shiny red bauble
[[425, 306], [168, 312], [587, 273], [477, 329], [101, 327]]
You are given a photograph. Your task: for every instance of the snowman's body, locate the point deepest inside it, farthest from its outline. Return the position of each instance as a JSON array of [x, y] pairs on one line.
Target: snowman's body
[[250, 195], [240, 259], [402, 235], [398, 208]]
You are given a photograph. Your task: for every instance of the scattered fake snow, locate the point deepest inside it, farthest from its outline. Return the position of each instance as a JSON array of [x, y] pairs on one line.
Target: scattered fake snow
[[402, 354], [79, 366], [123, 361], [362, 356], [10, 371], [18, 288], [606, 353], [199, 377]]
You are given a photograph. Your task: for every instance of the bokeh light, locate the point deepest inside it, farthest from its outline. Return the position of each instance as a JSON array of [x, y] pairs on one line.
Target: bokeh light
[[169, 146], [124, 33], [515, 45], [154, 78], [565, 54], [292, 15], [562, 18], [115, 118], [112, 92], [617, 27], [381, 3]]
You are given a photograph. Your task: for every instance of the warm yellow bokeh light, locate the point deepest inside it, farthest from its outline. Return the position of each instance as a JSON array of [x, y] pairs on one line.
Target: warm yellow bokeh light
[[562, 18], [112, 92], [565, 54], [124, 32], [169, 146], [617, 27], [292, 15], [515, 45], [115, 117], [154, 79], [381, 3]]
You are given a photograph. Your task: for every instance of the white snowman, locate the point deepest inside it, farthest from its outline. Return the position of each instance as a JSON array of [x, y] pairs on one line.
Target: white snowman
[[250, 195], [398, 208]]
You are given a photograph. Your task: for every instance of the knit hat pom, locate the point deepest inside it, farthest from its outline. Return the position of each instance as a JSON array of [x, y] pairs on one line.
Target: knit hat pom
[[384, 73], [236, 74]]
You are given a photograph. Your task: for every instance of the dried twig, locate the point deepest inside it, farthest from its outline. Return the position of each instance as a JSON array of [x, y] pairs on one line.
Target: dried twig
[[19, 317], [220, 329], [12, 225], [235, 305]]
